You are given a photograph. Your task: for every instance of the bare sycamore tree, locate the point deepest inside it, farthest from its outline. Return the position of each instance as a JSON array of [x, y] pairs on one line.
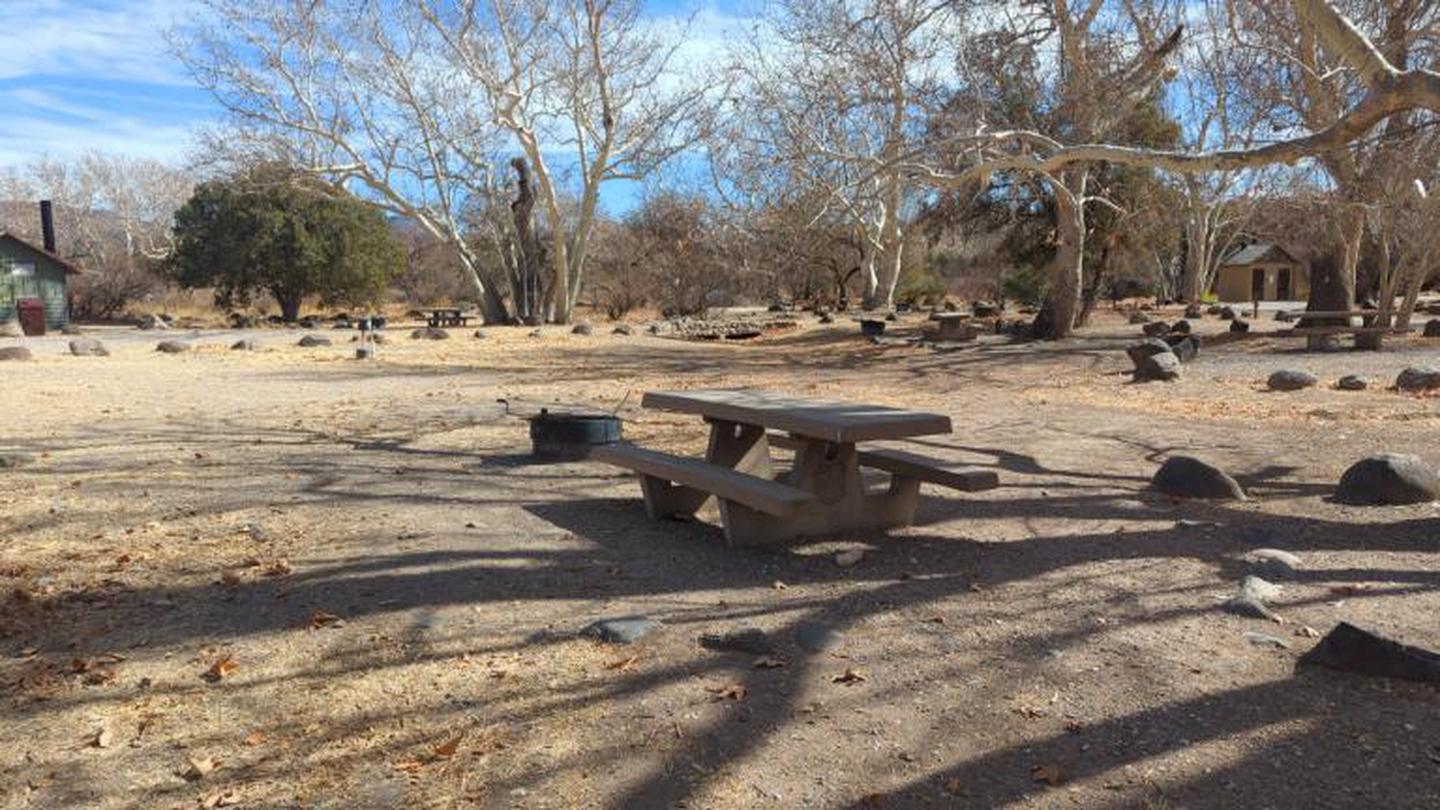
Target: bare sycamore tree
[[353, 94], [589, 80], [112, 216], [835, 93]]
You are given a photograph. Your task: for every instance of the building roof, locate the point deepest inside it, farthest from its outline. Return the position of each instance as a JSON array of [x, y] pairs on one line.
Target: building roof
[[1259, 252], [10, 237]]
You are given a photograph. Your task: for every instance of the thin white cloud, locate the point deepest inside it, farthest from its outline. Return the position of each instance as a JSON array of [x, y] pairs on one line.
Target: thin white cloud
[[111, 39]]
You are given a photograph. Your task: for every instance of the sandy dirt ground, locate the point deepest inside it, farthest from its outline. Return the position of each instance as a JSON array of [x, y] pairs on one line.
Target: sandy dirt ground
[[287, 578]]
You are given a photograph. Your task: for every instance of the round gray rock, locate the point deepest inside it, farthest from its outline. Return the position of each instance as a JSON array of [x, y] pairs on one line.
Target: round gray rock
[[9, 461], [1186, 348], [1164, 366], [88, 347], [430, 333], [1156, 329], [311, 341], [15, 353], [1388, 479], [246, 345], [622, 630], [1432, 328], [480, 334], [1351, 382], [816, 637], [582, 329], [623, 329], [172, 347], [1288, 379], [1137, 318], [1145, 348], [1188, 477], [1418, 378]]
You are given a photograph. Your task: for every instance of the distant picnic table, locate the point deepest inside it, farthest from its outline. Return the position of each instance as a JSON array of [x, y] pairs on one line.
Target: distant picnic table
[[823, 492], [1367, 335], [447, 316]]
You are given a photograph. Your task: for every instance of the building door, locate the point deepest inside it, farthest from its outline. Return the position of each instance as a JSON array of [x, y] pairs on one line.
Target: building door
[[1282, 284], [1257, 284]]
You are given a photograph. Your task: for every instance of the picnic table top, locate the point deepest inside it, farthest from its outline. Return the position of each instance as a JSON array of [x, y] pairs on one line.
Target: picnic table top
[[950, 316], [841, 422], [1339, 313], [445, 311]]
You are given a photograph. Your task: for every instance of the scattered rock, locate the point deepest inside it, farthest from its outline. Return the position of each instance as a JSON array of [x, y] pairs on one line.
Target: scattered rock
[[311, 341], [154, 322], [622, 630], [172, 347], [1262, 640], [1187, 477], [826, 317], [1181, 327], [1193, 311], [1214, 309], [535, 333], [1283, 316], [88, 347], [1186, 348], [1137, 318], [1156, 329], [984, 309], [480, 334], [1347, 648], [70, 329], [750, 640], [1163, 366], [429, 333], [892, 317], [816, 637], [1238, 326], [1227, 314], [1272, 563], [1187, 523], [11, 329], [308, 322], [1418, 378], [1432, 328], [1388, 479], [1351, 382], [582, 329], [246, 345], [1146, 348], [623, 329], [15, 353], [1291, 380]]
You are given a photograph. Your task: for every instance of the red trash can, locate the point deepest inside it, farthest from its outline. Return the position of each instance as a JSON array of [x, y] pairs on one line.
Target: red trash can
[[32, 315]]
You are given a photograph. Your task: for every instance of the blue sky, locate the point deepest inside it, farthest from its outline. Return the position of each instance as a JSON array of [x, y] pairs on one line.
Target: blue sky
[[98, 75]]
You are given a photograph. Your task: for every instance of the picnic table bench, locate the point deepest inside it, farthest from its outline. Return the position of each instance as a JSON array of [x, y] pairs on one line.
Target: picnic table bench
[[1367, 335], [823, 492], [447, 316]]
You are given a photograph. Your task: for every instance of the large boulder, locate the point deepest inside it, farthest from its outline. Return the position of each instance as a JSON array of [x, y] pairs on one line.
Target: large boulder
[[1185, 347], [1289, 379], [1156, 329], [312, 341], [1432, 328], [1388, 479], [88, 347], [11, 329], [1146, 348], [15, 353], [172, 347], [1418, 378], [1162, 367], [1187, 477]]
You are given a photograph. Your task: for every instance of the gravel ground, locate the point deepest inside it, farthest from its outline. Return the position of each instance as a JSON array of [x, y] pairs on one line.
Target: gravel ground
[[289, 578]]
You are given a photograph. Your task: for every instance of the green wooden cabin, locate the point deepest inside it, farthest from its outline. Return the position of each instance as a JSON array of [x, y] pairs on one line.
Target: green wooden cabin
[[28, 271]]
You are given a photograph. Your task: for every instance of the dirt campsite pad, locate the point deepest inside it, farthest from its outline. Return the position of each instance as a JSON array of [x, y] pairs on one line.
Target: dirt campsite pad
[[285, 577]]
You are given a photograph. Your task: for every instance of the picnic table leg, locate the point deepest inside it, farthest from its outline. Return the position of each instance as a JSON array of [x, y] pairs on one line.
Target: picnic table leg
[[739, 447], [832, 472]]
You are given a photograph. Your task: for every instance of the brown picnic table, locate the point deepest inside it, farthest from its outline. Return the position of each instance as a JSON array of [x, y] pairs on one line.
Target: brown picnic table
[[822, 492], [447, 316], [1367, 335]]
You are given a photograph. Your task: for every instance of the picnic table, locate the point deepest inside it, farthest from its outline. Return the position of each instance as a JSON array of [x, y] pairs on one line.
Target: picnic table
[[953, 326], [1367, 335], [447, 316], [822, 493]]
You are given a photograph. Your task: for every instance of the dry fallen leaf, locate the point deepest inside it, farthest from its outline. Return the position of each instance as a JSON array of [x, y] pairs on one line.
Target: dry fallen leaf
[[408, 765], [850, 676], [447, 749], [624, 664], [103, 737], [278, 568], [1049, 773], [766, 662], [221, 669], [321, 618], [199, 767], [229, 797], [732, 691], [255, 738]]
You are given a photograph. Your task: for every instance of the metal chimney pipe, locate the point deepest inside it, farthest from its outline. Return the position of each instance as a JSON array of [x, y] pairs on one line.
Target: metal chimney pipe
[[47, 226]]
